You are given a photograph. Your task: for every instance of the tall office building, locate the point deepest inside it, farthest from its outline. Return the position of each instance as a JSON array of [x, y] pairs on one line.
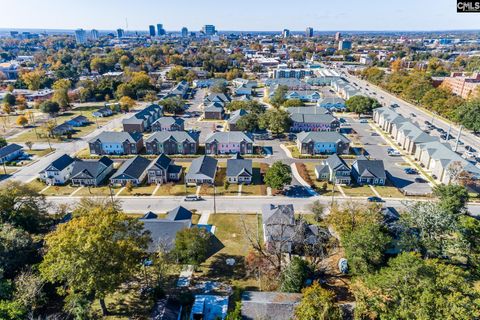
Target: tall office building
[[338, 36], [94, 34], [160, 30], [309, 32], [286, 33], [184, 32], [120, 33], [344, 45], [209, 30], [80, 36], [151, 30]]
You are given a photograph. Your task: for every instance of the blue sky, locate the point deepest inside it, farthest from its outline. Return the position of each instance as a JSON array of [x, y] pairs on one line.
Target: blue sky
[[268, 15]]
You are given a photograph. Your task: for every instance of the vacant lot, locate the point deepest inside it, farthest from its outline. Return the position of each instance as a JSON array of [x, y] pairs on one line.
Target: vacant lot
[[231, 242]]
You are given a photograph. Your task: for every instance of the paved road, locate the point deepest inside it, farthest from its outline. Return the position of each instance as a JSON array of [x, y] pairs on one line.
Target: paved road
[[30, 172], [406, 109], [232, 204]]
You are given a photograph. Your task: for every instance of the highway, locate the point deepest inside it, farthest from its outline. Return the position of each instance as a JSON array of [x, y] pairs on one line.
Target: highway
[[407, 109]]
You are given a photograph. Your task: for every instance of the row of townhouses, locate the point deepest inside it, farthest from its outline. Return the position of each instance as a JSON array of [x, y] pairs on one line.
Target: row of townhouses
[[433, 154]]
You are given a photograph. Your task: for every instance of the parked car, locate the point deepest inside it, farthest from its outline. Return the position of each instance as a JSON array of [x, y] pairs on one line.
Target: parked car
[[410, 171], [374, 199], [413, 115], [420, 180], [193, 198], [363, 121], [394, 153], [428, 123], [470, 149], [444, 137], [394, 105]]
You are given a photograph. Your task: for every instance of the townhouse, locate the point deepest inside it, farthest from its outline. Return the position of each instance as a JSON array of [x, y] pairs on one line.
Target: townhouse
[[433, 154], [335, 170], [228, 143], [202, 171], [369, 171], [91, 172], [317, 142], [168, 124], [172, 142], [142, 120], [239, 170], [109, 142]]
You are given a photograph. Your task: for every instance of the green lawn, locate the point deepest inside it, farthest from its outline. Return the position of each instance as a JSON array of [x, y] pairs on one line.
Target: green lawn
[[87, 111], [389, 192], [96, 191], [144, 190], [358, 191], [230, 241], [59, 190], [39, 152], [318, 184], [257, 187]]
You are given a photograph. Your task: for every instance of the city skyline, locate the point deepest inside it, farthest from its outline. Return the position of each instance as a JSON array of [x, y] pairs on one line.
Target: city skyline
[[267, 16]]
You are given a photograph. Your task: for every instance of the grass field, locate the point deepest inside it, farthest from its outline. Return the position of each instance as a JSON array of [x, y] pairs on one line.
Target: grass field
[[358, 191], [231, 242], [389, 192], [87, 111]]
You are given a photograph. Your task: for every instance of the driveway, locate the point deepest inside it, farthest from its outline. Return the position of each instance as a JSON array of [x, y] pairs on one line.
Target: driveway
[[377, 147]]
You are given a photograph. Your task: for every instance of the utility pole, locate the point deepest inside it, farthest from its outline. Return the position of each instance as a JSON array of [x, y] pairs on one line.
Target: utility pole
[[458, 138], [448, 133], [214, 200], [333, 189]]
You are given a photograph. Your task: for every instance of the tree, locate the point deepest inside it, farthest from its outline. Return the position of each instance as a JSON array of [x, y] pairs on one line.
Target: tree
[[276, 121], [23, 207], [7, 109], [12, 310], [248, 122], [129, 186], [365, 247], [50, 107], [278, 98], [94, 253], [60, 95], [21, 102], [16, 249], [3, 142], [294, 275], [317, 304], [293, 103], [29, 290], [352, 216], [361, 104], [278, 175], [33, 79], [22, 121], [235, 314], [429, 229], [29, 145], [191, 246], [9, 100], [453, 198], [412, 288], [172, 105], [127, 103], [469, 115], [219, 87], [317, 209]]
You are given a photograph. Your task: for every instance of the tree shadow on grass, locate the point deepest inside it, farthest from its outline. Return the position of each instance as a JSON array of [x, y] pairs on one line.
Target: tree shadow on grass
[[220, 270]]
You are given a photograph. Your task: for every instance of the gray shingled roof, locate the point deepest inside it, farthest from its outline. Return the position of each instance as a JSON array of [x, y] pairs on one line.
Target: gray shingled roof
[[61, 163], [313, 118], [307, 110], [269, 305], [168, 121], [228, 137], [320, 136], [132, 168], [214, 107], [9, 149], [116, 137], [178, 136], [163, 232], [179, 213], [162, 162], [91, 169], [202, 167], [335, 162], [370, 168], [141, 115], [237, 166]]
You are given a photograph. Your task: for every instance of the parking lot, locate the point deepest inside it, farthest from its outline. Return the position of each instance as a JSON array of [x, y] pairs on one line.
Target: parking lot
[[376, 147]]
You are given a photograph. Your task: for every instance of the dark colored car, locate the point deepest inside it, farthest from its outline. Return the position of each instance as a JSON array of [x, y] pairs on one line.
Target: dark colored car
[[374, 199], [420, 180]]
